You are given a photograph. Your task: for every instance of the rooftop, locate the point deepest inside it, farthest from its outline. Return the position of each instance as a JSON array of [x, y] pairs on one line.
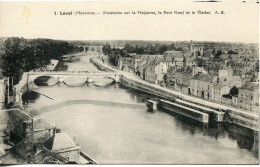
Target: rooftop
[[170, 55], [203, 77], [62, 141], [249, 86], [185, 70], [218, 86], [41, 124]]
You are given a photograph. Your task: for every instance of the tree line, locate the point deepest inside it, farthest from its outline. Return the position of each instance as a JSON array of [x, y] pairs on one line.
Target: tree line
[[20, 55], [115, 53]]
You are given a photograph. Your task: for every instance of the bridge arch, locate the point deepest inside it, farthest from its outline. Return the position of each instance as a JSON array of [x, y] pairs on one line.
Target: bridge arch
[[29, 77], [46, 80]]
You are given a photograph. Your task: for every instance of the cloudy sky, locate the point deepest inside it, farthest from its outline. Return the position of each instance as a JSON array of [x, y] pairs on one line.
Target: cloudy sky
[[240, 22]]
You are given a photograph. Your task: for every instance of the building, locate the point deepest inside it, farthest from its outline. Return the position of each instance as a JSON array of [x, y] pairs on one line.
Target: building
[[182, 79], [52, 65], [160, 71], [2, 93], [197, 49], [40, 130], [235, 57], [141, 69], [184, 75], [224, 56], [174, 58], [201, 85], [189, 61], [155, 71], [64, 146], [218, 91], [170, 77], [226, 77], [248, 98]]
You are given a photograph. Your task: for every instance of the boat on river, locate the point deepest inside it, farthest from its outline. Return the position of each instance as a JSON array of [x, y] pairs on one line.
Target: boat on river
[[151, 104]]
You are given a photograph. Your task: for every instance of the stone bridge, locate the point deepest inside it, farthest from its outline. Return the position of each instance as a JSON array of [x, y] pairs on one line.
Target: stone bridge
[[31, 76], [91, 49]]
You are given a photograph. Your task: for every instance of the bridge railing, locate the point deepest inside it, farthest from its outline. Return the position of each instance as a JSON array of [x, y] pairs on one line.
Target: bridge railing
[[72, 73]]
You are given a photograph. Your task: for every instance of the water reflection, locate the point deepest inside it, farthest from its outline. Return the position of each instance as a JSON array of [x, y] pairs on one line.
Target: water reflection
[[244, 137], [114, 134], [45, 81]]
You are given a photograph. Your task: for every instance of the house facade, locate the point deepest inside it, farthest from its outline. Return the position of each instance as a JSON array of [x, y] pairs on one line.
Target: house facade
[[201, 85], [182, 79], [160, 72], [189, 61], [155, 71], [218, 91], [248, 98], [174, 58]]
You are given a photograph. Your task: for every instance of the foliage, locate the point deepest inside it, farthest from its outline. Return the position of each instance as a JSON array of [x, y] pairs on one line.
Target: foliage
[[114, 53], [231, 52], [200, 62], [233, 91], [217, 54], [150, 49], [21, 55]]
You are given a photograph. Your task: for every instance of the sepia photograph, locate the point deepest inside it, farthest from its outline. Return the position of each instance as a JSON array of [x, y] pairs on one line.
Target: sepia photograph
[[129, 82]]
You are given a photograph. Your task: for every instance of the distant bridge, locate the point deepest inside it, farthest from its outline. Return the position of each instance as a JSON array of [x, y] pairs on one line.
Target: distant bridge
[[91, 49]]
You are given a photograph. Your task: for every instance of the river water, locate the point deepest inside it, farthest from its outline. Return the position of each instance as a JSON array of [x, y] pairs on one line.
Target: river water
[[122, 135]]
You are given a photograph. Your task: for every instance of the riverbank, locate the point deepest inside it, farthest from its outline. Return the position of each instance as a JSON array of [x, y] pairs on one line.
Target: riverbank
[[137, 135], [15, 118], [238, 116]]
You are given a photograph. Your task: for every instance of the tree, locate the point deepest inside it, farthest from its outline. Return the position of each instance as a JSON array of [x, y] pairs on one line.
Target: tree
[[22, 55], [162, 49], [199, 61], [217, 54], [231, 52], [233, 91]]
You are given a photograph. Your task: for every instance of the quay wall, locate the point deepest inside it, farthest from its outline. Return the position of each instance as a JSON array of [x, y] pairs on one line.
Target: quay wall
[[183, 110], [238, 116]]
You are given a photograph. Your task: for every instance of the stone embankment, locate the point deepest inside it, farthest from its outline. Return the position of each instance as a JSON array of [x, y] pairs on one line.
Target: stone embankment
[[236, 115]]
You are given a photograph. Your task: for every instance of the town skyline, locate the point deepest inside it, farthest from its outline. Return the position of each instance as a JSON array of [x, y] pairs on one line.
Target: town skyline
[[133, 40]]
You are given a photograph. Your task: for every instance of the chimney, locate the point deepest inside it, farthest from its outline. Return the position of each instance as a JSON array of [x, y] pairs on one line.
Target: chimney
[[27, 128], [194, 69]]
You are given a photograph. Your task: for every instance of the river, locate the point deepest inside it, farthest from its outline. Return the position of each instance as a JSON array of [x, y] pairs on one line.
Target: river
[[123, 135]]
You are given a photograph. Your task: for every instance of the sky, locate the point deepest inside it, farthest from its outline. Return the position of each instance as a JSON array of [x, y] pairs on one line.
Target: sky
[[240, 23]]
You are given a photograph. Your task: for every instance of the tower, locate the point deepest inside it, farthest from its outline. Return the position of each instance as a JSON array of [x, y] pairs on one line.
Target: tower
[[201, 50], [191, 47]]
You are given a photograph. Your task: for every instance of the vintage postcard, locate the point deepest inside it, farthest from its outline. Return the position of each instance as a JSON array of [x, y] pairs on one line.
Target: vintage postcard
[[129, 82]]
